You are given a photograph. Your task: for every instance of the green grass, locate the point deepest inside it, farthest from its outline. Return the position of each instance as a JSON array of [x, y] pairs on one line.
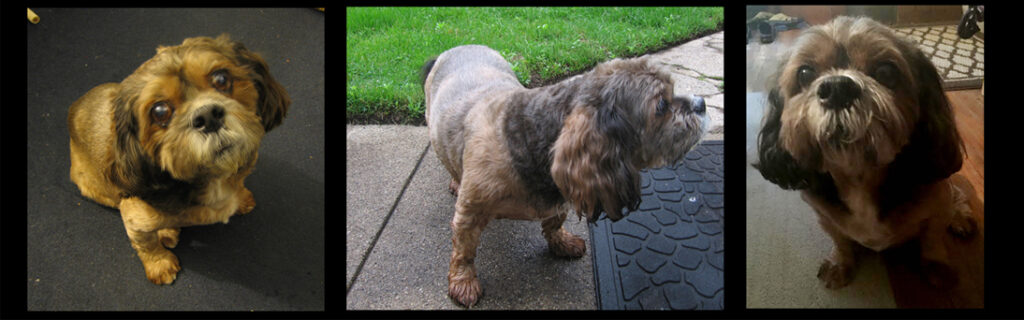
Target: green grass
[[387, 47]]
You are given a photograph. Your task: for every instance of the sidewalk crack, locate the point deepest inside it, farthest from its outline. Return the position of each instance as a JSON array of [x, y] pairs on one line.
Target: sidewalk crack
[[373, 243]]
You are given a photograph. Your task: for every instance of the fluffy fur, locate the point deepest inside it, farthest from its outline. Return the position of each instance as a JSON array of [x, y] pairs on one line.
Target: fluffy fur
[[533, 154], [858, 121], [171, 145]]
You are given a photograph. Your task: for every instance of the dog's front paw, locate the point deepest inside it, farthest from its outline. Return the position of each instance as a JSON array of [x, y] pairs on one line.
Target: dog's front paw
[[963, 226], [466, 290], [565, 244], [940, 275], [169, 237], [835, 275], [161, 268], [246, 202]]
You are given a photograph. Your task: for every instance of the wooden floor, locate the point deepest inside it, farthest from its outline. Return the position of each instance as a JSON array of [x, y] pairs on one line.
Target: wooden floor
[[968, 256], [969, 107]]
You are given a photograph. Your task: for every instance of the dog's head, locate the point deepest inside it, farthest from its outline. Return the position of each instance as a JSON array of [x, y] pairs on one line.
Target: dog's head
[[626, 118], [193, 112], [854, 97]]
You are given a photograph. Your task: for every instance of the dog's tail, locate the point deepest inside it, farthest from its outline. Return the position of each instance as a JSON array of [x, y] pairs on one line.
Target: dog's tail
[[427, 67], [425, 72]]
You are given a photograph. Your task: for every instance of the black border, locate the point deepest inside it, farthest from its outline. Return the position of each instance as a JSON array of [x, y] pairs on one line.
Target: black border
[[1002, 272]]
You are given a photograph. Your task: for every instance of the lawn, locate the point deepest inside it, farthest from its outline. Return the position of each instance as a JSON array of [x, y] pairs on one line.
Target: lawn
[[387, 47]]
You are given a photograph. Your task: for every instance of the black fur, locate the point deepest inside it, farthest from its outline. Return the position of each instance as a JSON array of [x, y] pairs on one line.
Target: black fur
[[274, 101], [133, 171], [934, 150], [625, 138], [779, 167], [426, 71]]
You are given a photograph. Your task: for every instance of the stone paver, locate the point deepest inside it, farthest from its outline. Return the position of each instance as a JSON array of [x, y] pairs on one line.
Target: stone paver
[[697, 68]]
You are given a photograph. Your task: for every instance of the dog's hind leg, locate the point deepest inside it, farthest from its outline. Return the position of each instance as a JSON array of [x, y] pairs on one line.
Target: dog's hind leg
[[453, 188], [963, 224], [467, 225]]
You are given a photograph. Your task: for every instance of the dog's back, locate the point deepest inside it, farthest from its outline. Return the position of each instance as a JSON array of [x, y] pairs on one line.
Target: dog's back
[[462, 72], [457, 81]]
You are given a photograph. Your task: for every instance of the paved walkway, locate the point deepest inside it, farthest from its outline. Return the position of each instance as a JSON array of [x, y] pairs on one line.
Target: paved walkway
[[398, 209]]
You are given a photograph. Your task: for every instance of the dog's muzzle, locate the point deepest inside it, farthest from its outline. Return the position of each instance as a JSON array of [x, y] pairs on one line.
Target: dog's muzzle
[[697, 105], [210, 119], [838, 92]]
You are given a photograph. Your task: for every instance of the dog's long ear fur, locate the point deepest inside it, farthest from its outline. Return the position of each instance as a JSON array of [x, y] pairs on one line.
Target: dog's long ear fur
[[130, 165], [133, 170], [774, 162], [934, 151], [779, 167], [274, 101], [592, 159]]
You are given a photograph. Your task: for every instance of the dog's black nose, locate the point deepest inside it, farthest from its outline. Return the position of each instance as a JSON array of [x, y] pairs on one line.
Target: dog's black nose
[[210, 119], [838, 92], [697, 104]]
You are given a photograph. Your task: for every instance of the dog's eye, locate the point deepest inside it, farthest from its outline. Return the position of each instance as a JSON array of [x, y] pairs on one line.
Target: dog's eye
[[886, 74], [221, 80], [161, 113], [805, 75], [662, 108]]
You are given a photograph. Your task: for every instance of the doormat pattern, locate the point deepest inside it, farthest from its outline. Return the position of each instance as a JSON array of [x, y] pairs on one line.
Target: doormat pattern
[[961, 62], [668, 255]]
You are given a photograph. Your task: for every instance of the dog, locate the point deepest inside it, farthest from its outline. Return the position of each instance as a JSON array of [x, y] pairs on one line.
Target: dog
[[533, 154], [171, 145], [858, 121]]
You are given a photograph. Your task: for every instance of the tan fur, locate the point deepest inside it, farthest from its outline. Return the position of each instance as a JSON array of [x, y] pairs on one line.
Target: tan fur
[[586, 184], [119, 154], [472, 96]]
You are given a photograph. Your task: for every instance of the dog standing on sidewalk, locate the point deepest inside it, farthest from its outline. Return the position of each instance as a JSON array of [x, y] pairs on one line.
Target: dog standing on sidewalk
[[532, 154]]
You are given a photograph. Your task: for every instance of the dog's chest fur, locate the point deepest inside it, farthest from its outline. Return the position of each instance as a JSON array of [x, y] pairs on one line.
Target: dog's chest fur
[[219, 197], [861, 218]]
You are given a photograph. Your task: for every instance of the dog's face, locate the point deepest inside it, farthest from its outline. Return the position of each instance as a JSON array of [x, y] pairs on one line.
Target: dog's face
[[850, 91], [195, 111], [853, 97], [629, 120]]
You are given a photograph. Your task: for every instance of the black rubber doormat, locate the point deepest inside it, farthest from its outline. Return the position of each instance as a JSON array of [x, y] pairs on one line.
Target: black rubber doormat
[[669, 253]]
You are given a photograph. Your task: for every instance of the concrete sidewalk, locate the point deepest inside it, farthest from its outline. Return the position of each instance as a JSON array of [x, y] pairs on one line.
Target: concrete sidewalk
[[398, 210], [405, 239]]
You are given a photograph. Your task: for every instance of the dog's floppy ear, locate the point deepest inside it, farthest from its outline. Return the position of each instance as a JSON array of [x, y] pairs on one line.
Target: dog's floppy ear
[[774, 162], [130, 163], [934, 151], [592, 161], [779, 167], [134, 171], [274, 101]]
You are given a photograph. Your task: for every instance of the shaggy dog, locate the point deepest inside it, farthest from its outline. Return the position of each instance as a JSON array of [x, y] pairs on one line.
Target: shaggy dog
[[532, 154], [171, 145], [859, 123]]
